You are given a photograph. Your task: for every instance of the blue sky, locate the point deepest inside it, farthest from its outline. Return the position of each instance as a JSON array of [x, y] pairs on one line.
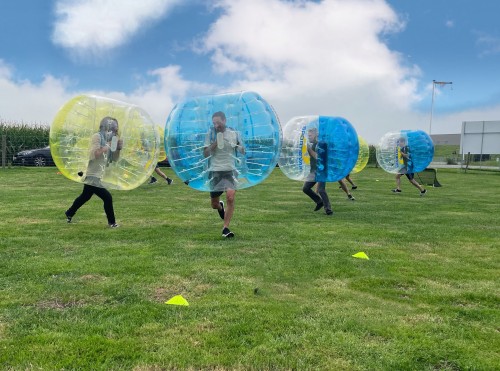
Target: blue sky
[[370, 61], [456, 41]]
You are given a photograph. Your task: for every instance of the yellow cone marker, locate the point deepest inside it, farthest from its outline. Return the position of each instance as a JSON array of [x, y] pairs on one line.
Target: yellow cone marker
[[361, 255], [177, 300]]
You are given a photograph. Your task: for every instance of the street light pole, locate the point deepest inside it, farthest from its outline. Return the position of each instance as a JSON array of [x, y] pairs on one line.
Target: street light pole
[[434, 83], [432, 106]]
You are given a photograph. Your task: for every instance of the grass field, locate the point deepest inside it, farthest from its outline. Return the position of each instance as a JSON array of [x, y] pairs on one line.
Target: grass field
[[285, 293], [442, 152]]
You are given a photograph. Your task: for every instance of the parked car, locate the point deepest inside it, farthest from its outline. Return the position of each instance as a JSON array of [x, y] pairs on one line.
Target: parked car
[[34, 157]]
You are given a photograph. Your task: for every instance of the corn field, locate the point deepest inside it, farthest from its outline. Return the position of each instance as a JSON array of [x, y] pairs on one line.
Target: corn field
[[20, 136]]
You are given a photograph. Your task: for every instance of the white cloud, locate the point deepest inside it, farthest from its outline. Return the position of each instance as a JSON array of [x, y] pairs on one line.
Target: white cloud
[[88, 27], [323, 57], [303, 57], [488, 44], [29, 102], [168, 87], [39, 103]]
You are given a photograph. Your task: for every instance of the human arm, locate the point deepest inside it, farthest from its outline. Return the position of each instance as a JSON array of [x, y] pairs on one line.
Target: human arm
[[311, 151], [208, 150], [241, 149], [405, 152], [210, 143], [96, 149], [240, 146], [116, 153]]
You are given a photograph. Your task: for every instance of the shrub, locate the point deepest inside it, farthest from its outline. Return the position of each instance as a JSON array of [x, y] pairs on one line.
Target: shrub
[[372, 157]]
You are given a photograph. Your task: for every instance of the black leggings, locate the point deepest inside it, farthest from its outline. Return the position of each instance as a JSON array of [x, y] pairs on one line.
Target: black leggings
[[88, 192]]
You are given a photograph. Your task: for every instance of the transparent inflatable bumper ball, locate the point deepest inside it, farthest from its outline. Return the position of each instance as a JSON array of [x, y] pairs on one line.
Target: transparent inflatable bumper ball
[[104, 142], [333, 139], [220, 142]]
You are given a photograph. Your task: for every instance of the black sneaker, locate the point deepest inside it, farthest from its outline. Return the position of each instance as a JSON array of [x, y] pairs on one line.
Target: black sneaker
[[68, 218], [221, 212], [227, 233], [423, 192], [153, 180], [351, 197], [114, 225], [354, 187], [169, 181], [329, 212], [396, 190], [319, 205]]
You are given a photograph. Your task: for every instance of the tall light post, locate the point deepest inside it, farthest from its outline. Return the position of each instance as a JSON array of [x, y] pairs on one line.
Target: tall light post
[[434, 83]]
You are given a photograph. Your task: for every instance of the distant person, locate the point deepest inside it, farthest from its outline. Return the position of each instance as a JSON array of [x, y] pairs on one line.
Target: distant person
[[320, 198], [405, 167], [343, 185], [101, 154], [158, 171], [221, 145], [348, 178]]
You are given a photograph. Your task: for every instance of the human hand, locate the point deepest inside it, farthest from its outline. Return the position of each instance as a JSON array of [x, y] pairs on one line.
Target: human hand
[[101, 151]]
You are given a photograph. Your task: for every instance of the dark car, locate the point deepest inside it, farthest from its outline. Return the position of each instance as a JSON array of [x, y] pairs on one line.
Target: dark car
[[34, 157]]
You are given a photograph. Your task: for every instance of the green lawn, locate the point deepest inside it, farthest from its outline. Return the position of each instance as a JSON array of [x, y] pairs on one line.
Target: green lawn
[[446, 151], [285, 293]]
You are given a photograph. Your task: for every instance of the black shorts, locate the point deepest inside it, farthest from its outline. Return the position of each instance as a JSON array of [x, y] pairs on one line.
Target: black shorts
[[221, 181], [410, 176]]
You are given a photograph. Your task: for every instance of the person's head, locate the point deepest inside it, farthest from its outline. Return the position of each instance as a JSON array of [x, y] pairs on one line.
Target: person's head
[[219, 121], [109, 124], [401, 141], [312, 134]]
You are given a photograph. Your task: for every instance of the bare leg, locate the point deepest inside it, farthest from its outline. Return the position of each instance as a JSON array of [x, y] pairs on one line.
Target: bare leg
[[230, 196], [348, 178], [398, 181], [163, 175], [344, 188], [215, 203], [415, 183]]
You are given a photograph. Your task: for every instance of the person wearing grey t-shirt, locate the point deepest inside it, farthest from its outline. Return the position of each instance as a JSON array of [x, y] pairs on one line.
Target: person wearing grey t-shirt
[[221, 146]]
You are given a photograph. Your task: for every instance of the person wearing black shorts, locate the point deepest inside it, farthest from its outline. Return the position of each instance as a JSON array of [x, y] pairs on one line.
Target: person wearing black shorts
[[405, 166], [158, 171], [221, 145]]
